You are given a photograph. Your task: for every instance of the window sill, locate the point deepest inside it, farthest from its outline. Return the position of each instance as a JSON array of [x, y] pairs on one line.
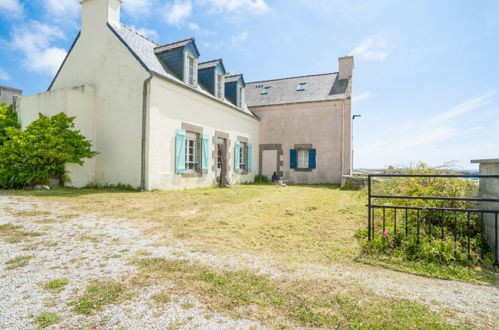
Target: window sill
[[303, 169], [192, 175]]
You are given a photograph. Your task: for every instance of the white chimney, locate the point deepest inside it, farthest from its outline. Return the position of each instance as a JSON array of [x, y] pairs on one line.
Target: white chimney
[[346, 67], [96, 13]]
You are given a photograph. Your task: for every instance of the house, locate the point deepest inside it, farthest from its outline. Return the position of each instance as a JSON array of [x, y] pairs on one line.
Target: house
[[305, 125], [8, 94], [161, 118]]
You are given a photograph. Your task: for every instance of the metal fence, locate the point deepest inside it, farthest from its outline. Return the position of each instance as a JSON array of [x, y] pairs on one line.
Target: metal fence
[[433, 220]]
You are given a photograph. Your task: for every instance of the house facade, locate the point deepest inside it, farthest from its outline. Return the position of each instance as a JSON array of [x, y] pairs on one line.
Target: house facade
[[8, 94], [162, 119]]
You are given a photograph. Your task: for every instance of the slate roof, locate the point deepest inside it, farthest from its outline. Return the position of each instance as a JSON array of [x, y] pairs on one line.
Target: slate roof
[[208, 64], [143, 49], [320, 87]]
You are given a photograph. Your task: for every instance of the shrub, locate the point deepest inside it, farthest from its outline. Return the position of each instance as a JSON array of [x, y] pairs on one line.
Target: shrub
[[8, 118], [40, 152], [436, 229], [261, 179]]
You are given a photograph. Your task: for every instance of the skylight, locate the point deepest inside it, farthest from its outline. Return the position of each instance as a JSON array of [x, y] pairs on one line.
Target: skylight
[[301, 86], [265, 91]]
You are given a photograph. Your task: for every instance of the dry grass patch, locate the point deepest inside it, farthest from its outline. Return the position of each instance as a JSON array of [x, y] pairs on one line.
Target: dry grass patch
[[28, 213], [285, 303], [99, 294], [21, 261], [13, 234], [303, 224]]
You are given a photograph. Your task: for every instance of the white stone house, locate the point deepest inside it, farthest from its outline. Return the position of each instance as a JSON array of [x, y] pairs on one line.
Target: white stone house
[[161, 119]]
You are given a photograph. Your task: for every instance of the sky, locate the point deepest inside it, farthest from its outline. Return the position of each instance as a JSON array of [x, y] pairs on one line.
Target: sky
[[426, 78]]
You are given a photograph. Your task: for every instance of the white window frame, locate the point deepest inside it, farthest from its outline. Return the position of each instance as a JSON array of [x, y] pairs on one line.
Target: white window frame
[[190, 69], [242, 156], [303, 158], [219, 83], [191, 138]]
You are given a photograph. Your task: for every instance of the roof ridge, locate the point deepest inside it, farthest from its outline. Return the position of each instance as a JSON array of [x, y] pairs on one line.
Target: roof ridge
[[304, 76], [216, 59], [176, 42], [140, 35]]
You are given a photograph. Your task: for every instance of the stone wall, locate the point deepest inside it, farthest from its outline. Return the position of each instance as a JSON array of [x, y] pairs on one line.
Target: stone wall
[[489, 188]]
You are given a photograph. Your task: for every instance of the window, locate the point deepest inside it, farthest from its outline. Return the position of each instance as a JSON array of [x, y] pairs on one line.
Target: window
[[191, 152], [303, 157], [265, 91], [301, 86], [239, 96], [190, 70], [242, 156], [219, 85]]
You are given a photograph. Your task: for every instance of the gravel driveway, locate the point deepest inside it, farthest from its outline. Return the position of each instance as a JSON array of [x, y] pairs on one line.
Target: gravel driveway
[[83, 248]]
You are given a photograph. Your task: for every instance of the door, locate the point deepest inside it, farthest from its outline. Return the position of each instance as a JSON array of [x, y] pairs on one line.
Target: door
[[269, 163]]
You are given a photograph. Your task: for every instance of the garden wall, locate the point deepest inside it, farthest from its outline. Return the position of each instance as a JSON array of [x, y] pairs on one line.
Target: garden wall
[[489, 188]]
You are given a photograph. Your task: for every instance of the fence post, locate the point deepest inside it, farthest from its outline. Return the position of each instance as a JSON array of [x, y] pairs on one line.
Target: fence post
[[369, 207], [489, 188]]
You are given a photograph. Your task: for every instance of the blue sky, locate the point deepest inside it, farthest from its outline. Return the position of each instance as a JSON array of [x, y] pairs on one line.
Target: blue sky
[[426, 78]]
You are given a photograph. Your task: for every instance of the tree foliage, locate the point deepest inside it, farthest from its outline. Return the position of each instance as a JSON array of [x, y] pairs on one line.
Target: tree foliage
[[39, 153], [8, 118]]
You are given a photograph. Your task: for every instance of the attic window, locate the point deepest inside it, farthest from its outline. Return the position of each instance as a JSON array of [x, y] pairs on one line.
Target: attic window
[[301, 86], [265, 91], [190, 70]]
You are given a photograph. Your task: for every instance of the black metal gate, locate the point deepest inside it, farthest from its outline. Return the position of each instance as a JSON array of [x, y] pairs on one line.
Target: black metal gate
[[434, 228]]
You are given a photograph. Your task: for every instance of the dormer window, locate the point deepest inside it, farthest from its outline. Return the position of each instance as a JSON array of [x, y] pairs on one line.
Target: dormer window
[[219, 86], [265, 91], [301, 86], [190, 70]]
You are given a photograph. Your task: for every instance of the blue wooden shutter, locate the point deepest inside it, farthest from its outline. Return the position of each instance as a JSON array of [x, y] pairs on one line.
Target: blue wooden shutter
[[180, 152], [236, 156], [204, 150], [292, 158], [311, 158], [250, 158]]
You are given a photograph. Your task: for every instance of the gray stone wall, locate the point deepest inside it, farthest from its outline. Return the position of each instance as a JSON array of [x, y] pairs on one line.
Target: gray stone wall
[[7, 94], [489, 188]]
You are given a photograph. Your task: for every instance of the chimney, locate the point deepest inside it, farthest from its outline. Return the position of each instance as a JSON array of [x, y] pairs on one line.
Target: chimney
[[346, 67], [96, 13]]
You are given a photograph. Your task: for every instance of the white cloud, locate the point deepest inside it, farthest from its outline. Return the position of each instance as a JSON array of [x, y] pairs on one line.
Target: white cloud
[[239, 37], [178, 12], [62, 8], [34, 41], [4, 75], [497, 124], [374, 48], [362, 96], [193, 26], [11, 8], [251, 6], [148, 33], [464, 107], [136, 8]]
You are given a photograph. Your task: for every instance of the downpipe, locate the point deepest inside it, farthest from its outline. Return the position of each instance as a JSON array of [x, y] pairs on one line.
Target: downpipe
[[144, 132]]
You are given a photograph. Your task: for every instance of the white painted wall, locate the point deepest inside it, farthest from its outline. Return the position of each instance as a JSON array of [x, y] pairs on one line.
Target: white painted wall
[[170, 106], [76, 102], [101, 60]]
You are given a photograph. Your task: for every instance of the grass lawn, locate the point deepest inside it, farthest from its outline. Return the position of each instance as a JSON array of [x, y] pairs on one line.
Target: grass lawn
[[289, 227], [306, 224], [303, 224]]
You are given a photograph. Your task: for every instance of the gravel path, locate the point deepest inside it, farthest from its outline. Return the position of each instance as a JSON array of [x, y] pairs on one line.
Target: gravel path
[[84, 248]]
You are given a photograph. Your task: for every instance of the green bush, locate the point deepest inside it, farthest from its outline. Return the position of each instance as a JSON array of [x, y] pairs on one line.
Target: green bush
[[261, 179], [436, 229], [8, 118], [39, 153]]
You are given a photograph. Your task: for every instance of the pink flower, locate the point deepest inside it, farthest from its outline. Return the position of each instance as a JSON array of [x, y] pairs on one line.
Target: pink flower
[[386, 233]]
